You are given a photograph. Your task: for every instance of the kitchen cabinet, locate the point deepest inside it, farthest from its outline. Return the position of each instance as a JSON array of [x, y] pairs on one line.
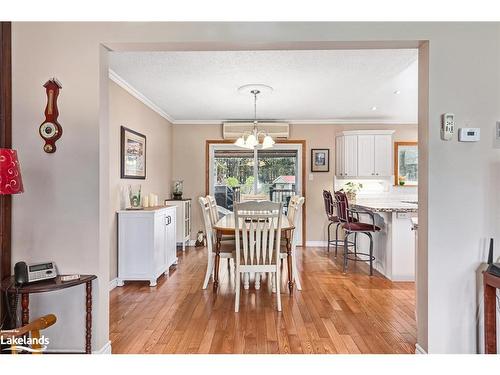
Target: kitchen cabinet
[[364, 153], [146, 243], [346, 156]]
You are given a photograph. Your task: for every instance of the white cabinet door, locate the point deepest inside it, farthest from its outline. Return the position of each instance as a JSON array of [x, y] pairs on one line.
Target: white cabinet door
[[339, 156], [350, 156], [159, 242], [366, 155], [383, 155], [171, 243]]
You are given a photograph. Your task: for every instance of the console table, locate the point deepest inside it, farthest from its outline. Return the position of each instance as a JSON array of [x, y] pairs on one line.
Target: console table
[[51, 285], [491, 284]]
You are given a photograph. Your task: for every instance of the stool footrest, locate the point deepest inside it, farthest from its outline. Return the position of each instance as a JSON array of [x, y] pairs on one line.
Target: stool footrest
[[356, 259]]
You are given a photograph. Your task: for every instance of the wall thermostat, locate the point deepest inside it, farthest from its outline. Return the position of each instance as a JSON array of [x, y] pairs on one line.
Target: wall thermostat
[[447, 126], [469, 134]]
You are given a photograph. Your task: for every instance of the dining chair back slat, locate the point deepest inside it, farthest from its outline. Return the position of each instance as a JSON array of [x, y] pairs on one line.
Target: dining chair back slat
[[258, 248], [214, 213]]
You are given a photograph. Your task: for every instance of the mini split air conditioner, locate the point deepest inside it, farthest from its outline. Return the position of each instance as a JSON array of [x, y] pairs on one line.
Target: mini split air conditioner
[[234, 130]]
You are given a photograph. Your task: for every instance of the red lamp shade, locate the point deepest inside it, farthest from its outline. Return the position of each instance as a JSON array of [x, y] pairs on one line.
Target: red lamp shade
[[10, 172]]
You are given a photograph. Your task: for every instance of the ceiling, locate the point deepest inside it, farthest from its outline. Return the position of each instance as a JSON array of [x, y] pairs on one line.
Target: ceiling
[[346, 86]]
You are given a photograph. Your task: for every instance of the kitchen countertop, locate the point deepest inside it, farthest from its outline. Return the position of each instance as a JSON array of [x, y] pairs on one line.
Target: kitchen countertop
[[388, 204]]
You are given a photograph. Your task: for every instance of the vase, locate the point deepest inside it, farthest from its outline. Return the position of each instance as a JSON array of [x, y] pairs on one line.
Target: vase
[[177, 191], [351, 196], [134, 195]]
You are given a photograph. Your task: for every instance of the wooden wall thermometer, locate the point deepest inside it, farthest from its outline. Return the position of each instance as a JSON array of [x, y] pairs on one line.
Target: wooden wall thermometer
[[51, 130]]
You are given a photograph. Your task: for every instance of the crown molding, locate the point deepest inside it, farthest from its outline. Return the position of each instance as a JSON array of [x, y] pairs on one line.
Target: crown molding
[[300, 122], [353, 121], [361, 132], [198, 122], [139, 96]]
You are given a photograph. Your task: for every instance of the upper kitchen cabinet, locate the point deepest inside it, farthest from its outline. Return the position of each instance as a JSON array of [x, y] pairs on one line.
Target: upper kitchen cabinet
[[364, 153], [346, 160]]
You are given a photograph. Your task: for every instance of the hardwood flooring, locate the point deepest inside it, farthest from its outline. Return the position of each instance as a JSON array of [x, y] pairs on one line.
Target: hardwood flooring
[[334, 313]]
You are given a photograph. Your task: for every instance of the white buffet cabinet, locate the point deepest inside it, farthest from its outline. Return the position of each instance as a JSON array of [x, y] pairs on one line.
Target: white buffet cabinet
[[146, 243]]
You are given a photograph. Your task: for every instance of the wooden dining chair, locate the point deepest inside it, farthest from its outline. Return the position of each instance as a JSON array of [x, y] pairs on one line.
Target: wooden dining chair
[[293, 215], [258, 249], [227, 250], [214, 213], [33, 329]]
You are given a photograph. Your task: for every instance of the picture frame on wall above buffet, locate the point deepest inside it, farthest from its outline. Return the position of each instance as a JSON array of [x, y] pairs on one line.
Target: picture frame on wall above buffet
[[132, 154], [320, 160]]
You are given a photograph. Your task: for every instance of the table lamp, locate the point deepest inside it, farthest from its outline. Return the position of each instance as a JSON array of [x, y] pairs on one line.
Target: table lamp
[[10, 173]]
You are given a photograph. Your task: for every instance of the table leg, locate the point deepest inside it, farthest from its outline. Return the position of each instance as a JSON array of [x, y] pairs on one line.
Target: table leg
[[88, 318], [25, 302], [289, 260], [217, 259], [490, 331]]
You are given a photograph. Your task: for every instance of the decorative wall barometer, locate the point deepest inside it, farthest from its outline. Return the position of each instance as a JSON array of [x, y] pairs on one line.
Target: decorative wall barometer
[[51, 130]]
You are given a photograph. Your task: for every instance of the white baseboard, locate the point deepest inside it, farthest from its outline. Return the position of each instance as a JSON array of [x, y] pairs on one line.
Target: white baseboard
[[188, 243], [419, 349], [317, 243], [113, 284], [106, 349]]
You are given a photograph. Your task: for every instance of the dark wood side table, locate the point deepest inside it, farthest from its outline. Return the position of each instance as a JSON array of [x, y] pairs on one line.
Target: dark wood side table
[[491, 284], [50, 286]]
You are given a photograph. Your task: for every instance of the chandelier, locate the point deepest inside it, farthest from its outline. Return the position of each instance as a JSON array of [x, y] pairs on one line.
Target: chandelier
[[251, 140]]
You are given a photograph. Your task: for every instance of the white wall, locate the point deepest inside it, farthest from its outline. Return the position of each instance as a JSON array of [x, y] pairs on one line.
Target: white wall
[[61, 217]]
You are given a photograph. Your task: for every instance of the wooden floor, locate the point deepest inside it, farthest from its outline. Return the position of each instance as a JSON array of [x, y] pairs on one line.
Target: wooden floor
[[334, 313]]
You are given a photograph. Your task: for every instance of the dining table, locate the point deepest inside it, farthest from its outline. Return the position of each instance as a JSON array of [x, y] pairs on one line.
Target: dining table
[[225, 227]]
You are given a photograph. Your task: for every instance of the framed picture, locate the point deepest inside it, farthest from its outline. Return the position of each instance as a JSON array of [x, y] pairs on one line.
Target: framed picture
[[320, 160], [133, 154], [405, 163]]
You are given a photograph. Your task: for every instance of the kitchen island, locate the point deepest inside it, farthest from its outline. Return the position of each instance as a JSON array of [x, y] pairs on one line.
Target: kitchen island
[[394, 244]]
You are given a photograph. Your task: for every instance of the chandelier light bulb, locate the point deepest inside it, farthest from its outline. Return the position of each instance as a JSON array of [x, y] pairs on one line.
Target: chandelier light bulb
[[251, 141], [240, 142], [268, 142]]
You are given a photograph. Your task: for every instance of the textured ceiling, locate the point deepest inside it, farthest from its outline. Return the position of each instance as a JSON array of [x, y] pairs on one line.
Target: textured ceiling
[[319, 85]]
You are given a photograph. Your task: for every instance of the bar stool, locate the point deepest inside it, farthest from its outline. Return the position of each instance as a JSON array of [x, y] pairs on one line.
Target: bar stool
[[351, 224], [333, 219]]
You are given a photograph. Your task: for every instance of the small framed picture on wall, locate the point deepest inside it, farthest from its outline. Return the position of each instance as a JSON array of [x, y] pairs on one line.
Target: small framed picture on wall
[[320, 160], [133, 154]]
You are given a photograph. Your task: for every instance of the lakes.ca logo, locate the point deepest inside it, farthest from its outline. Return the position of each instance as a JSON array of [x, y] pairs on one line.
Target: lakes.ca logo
[[24, 343]]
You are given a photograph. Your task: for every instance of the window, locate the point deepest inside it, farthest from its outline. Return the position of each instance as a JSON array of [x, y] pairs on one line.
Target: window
[[240, 175]]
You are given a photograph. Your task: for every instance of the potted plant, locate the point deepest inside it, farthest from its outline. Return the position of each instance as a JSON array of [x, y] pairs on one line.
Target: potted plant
[[350, 189]]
